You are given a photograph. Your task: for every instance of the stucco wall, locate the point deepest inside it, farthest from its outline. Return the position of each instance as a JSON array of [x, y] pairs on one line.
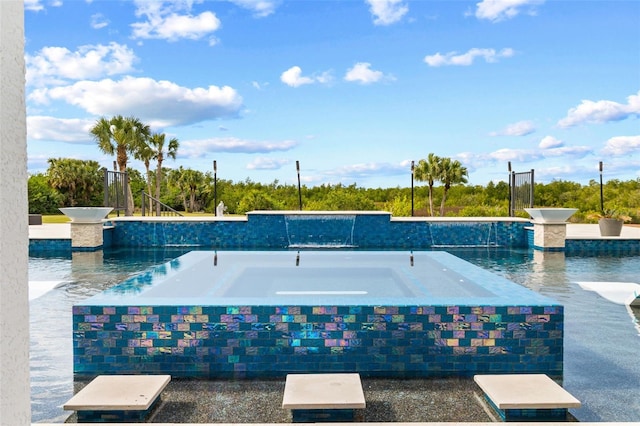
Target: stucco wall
[[14, 306]]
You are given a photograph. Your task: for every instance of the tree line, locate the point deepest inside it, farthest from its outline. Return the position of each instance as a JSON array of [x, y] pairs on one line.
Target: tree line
[[72, 182]]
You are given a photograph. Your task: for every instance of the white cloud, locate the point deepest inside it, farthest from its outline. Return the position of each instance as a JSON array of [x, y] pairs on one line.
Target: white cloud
[[521, 128], [73, 130], [172, 21], [521, 155], [549, 142], [500, 10], [465, 59], [528, 155], [33, 5], [362, 73], [363, 170], [601, 111], [157, 103], [38, 162], [37, 5], [387, 12], [57, 64], [554, 150], [555, 172], [622, 145], [567, 152], [98, 21], [293, 77], [200, 147], [260, 8], [264, 163]]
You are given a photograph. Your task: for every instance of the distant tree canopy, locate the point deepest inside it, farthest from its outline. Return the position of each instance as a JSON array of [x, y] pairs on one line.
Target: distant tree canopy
[[79, 182], [70, 182]]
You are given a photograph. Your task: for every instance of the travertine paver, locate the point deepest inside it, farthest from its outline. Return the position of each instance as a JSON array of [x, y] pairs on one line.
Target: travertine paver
[[136, 392], [524, 391], [323, 391]]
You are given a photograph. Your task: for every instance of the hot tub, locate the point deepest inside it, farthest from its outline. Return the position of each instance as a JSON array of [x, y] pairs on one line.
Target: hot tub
[[266, 314]]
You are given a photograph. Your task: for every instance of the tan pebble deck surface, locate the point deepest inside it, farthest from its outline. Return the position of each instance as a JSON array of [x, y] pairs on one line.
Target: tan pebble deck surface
[[323, 391], [525, 391], [119, 393]]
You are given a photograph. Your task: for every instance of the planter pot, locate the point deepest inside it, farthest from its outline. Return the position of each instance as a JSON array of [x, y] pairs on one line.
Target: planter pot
[[610, 227]]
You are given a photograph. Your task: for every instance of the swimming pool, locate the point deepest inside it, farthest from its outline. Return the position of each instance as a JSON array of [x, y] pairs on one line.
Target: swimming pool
[[601, 338]]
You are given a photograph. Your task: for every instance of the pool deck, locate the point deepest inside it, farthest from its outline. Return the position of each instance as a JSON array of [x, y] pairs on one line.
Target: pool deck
[[62, 231]]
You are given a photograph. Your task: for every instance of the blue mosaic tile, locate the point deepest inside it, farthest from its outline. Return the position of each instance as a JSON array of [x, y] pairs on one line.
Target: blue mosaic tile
[[273, 231], [259, 350]]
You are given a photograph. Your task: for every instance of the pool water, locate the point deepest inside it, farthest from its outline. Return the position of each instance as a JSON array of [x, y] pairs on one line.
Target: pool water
[[602, 339]]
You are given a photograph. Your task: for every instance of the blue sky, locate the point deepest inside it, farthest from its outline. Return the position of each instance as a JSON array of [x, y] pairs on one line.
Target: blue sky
[[354, 90]]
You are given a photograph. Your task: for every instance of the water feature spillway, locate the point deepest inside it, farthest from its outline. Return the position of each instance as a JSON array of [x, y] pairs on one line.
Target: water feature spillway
[[267, 230], [320, 230]]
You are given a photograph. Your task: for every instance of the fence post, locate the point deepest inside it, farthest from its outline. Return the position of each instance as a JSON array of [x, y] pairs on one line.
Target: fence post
[[106, 186], [125, 186], [532, 190], [512, 198]]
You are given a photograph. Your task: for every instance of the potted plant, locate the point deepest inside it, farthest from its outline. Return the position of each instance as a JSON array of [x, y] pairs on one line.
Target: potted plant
[[610, 222]]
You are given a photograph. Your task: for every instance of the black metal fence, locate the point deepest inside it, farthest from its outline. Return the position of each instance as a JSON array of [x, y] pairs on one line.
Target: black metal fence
[[521, 186], [115, 190]]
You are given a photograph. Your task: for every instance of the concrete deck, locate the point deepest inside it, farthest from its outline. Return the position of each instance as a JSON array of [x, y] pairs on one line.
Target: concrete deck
[[592, 231], [50, 231]]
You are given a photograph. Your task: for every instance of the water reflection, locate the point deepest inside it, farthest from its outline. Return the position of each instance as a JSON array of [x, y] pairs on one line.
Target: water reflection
[[548, 270]]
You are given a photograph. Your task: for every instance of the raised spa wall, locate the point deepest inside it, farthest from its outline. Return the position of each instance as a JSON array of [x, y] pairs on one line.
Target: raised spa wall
[[270, 341], [285, 229]]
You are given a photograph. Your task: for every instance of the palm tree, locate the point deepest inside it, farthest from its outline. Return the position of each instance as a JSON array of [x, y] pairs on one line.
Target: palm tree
[[192, 180], [428, 171], [451, 173], [121, 136], [145, 154], [78, 180], [156, 144], [187, 181]]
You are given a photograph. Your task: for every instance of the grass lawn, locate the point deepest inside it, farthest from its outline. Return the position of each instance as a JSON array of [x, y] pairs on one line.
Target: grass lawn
[[55, 218]]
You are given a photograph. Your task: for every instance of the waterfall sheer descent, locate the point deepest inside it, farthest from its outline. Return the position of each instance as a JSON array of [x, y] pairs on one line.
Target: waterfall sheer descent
[[320, 231]]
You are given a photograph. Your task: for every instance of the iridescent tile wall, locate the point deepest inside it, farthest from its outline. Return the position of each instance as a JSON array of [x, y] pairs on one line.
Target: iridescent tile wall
[[270, 341]]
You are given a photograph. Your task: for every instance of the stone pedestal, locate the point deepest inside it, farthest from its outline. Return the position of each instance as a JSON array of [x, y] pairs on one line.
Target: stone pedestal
[[86, 236], [549, 236]]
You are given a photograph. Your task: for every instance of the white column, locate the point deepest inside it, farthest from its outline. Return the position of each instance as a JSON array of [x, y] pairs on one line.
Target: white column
[[15, 407]]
